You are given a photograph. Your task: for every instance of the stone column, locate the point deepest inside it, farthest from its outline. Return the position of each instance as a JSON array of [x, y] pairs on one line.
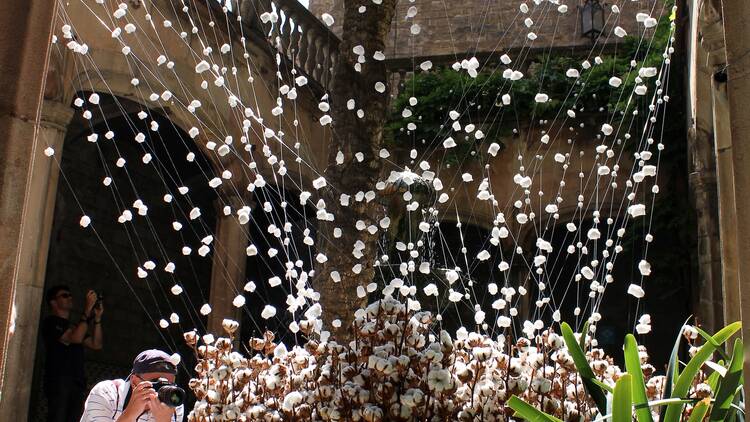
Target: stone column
[[32, 261], [707, 296], [24, 43], [736, 20], [727, 211], [228, 269]]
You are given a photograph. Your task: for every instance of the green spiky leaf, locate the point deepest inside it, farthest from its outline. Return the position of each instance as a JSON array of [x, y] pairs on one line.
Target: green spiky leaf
[[584, 370], [633, 366]]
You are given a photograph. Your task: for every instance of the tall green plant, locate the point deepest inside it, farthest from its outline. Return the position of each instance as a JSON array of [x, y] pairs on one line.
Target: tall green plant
[[629, 394]]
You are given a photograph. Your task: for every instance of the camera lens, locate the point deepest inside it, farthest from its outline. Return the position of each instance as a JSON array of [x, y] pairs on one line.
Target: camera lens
[[171, 395]]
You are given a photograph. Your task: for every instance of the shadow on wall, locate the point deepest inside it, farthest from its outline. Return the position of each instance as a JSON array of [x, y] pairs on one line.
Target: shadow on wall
[[104, 257]]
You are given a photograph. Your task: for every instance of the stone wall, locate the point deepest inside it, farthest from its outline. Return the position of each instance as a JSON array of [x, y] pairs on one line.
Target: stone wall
[[466, 26]]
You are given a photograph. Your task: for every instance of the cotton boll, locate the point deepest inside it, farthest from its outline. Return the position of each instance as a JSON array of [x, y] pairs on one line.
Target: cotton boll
[[319, 183], [593, 234], [505, 99], [327, 19], [268, 312], [541, 98], [202, 67], [572, 73], [644, 267], [636, 291], [637, 210], [647, 72]]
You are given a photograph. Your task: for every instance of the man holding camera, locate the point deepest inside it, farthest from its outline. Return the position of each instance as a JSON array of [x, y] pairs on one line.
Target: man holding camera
[[64, 379], [147, 395]]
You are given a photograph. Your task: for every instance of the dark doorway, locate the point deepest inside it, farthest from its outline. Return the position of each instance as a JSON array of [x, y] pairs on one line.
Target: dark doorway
[[105, 256]]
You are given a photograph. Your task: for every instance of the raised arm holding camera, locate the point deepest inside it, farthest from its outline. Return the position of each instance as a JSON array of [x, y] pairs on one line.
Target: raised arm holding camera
[[64, 379], [147, 395]]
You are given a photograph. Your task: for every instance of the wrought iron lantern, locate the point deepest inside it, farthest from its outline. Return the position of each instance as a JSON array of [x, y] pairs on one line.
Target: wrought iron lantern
[[592, 19]]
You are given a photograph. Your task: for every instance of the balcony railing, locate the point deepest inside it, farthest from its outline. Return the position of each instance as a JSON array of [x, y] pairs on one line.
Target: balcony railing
[[296, 34]]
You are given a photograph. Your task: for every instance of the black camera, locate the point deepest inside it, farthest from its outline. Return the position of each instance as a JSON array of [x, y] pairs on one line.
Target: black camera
[[99, 300], [169, 394]]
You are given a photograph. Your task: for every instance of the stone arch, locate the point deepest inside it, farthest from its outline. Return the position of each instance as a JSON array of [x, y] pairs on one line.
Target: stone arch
[[78, 259]]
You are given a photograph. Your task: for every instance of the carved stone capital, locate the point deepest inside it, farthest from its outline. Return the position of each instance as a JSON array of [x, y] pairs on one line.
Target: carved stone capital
[[56, 115], [711, 33]]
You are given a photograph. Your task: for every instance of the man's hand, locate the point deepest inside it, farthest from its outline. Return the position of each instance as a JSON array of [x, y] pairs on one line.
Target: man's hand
[[140, 400], [98, 311], [90, 302], [161, 412]]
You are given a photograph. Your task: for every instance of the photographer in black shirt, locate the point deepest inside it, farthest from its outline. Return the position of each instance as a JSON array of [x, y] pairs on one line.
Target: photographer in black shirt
[[64, 379]]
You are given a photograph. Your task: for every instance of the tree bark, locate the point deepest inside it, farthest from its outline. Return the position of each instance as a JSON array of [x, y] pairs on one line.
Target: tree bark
[[352, 135]]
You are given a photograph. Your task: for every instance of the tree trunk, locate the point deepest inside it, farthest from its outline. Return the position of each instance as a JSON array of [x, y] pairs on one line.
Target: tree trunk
[[352, 135]]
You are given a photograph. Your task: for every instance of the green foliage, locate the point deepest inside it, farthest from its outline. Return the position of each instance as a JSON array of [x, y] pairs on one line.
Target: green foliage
[[633, 366], [479, 100], [728, 386], [629, 393], [622, 399], [584, 370], [529, 412], [685, 379]]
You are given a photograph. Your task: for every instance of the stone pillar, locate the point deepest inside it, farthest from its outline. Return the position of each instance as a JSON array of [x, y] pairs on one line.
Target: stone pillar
[[32, 262], [727, 211], [24, 43], [736, 20], [707, 296], [228, 269]]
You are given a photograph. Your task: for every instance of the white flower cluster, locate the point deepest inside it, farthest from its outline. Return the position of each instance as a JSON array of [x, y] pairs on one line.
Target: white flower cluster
[[397, 369]]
